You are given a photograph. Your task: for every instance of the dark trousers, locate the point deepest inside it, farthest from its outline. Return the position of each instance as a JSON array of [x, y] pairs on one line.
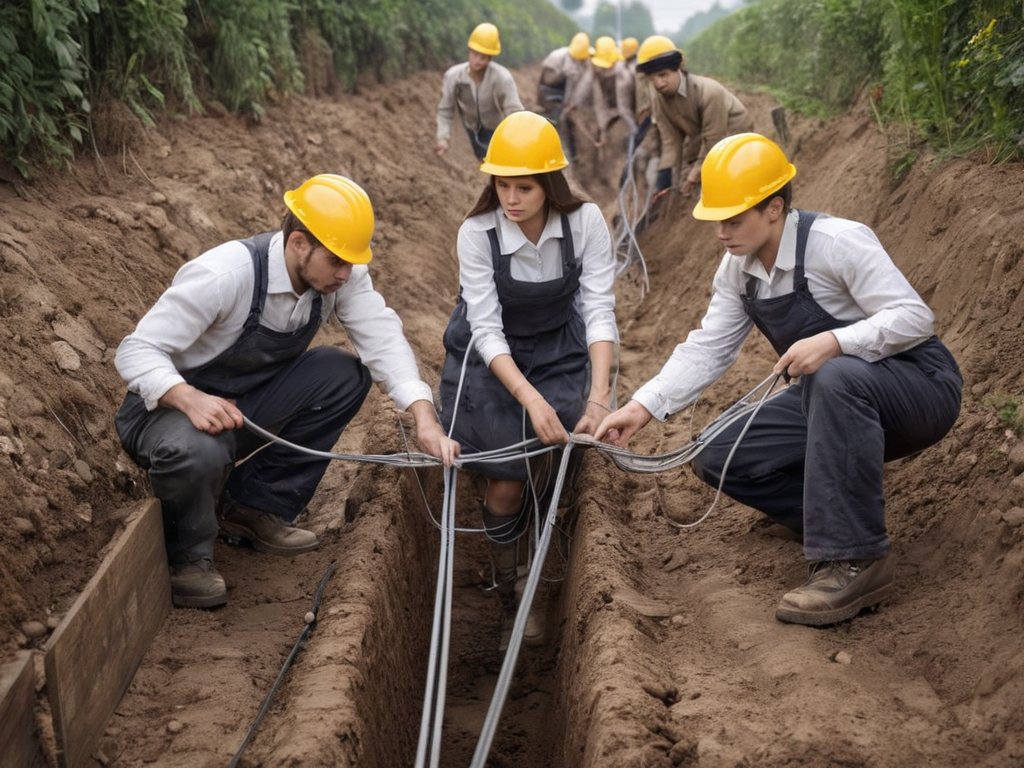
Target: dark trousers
[[479, 141], [812, 458], [308, 403]]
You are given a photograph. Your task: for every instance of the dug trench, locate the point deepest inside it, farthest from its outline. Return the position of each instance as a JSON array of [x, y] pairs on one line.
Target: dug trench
[[662, 644]]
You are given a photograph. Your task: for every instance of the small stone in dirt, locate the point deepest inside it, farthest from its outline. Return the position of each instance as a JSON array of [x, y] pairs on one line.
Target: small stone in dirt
[[666, 693], [679, 620], [33, 630], [174, 727], [842, 657], [1016, 458], [746, 645], [84, 470], [310, 617], [52, 622], [23, 526], [1014, 516], [66, 357], [101, 757]]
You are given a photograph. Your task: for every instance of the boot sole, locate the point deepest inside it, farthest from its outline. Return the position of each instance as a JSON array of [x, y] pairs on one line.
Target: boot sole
[[824, 618], [234, 533], [190, 601]]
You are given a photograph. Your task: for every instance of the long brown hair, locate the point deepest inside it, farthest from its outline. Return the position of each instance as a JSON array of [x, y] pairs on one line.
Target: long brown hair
[[558, 195]]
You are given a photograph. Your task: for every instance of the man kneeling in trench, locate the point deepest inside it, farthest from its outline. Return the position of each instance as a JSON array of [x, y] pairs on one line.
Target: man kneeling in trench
[[875, 383], [229, 337]]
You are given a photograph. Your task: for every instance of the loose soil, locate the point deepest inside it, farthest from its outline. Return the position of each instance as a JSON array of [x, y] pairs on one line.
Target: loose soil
[[663, 648]]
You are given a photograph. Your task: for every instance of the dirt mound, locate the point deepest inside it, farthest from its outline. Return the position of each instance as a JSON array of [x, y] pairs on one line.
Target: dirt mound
[[664, 647]]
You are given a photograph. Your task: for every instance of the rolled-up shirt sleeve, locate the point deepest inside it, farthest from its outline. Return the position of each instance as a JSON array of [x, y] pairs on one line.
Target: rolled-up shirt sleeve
[[196, 299], [707, 352], [376, 332]]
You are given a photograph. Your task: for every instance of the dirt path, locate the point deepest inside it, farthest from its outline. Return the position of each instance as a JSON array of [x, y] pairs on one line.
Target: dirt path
[[664, 648]]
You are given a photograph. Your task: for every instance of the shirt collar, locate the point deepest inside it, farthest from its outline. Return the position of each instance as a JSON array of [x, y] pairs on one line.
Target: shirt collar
[[278, 280], [682, 84], [512, 237], [785, 260]]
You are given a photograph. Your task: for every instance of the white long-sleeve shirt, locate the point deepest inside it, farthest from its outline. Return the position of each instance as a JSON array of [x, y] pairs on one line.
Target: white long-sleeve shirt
[[850, 276], [480, 105], [536, 263], [202, 312]]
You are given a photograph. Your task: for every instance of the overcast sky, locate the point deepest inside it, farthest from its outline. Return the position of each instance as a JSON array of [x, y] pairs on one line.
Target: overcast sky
[[668, 15]]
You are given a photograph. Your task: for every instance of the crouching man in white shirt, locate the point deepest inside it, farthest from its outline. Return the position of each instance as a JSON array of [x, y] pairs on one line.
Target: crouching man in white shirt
[[231, 336], [875, 383]]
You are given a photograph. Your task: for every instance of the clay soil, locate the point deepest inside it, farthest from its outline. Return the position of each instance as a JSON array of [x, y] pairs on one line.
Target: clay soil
[[663, 648]]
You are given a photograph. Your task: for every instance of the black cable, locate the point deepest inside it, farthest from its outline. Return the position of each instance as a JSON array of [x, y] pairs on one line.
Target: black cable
[[287, 663]]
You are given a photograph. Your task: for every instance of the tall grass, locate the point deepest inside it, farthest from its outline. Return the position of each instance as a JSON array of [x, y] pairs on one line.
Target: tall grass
[[953, 69]]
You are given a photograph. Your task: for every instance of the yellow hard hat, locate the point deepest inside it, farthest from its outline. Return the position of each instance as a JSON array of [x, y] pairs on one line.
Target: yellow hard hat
[[629, 47], [484, 39], [524, 144], [579, 46], [654, 47], [606, 53], [738, 173], [338, 213]]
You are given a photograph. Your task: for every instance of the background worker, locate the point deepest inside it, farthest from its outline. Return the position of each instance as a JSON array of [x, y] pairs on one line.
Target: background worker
[[536, 297], [230, 336], [692, 113], [563, 86], [875, 383], [612, 86], [482, 91]]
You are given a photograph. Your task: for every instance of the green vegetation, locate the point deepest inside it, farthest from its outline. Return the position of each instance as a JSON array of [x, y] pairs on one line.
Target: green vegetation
[[951, 69], [60, 58], [1010, 412]]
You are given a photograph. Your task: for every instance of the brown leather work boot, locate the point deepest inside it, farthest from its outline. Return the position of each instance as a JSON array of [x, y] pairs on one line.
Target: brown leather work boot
[[536, 621], [197, 585], [837, 590], [266, 532]]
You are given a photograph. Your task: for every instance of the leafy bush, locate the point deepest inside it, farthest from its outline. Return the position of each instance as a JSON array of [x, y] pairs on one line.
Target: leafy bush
[[41, 76], [954, 69]]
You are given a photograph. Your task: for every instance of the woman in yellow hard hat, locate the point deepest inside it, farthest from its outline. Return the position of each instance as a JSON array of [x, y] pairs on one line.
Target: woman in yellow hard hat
[[534, 328], [875, 383]]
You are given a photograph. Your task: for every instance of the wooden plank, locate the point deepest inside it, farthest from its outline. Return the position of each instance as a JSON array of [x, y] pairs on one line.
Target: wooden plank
[[92, 656], [19, 745]]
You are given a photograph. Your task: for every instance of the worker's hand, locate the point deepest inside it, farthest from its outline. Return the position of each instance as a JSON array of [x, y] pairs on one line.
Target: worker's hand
[[808, 355], [688, 187], [619, 426], [430, 435], [442, 147], [591, 418], [545, 422], [207, 413]]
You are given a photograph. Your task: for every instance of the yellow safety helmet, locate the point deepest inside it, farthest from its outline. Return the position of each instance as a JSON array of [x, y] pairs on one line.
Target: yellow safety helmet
[[484, 39], [338, 213], [524, 144], [629, 47], [738, 173], [606, 52], [658, 52], [579, 46]]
